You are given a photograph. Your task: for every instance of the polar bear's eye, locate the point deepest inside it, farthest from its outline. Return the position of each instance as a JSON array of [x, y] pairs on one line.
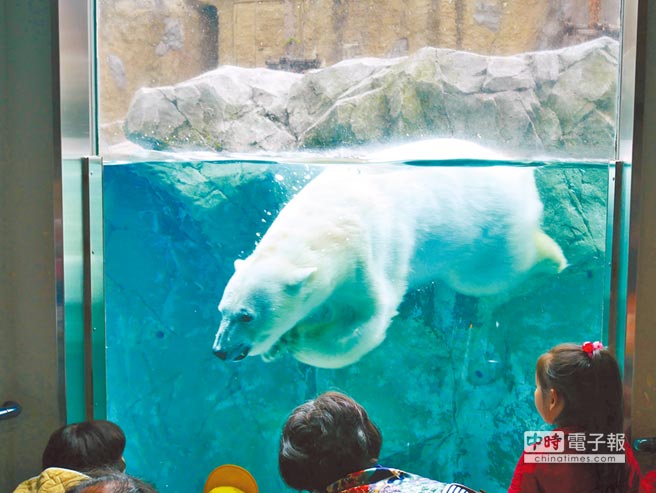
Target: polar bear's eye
[[245, 317]]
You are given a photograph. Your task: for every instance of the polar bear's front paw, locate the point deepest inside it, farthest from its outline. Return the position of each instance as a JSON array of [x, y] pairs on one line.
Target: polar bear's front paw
[[275, 352]]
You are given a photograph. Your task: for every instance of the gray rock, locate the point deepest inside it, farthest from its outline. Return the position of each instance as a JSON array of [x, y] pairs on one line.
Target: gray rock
[[172, 39], [318, 92], [117, 71], [508, 74], [558, 102], [153, 118], [488, 13], [463, 72], [232, 108]]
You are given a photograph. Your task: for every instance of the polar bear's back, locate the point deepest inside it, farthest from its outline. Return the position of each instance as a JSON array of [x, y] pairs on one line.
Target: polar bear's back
[[474, 226], [471, 227]]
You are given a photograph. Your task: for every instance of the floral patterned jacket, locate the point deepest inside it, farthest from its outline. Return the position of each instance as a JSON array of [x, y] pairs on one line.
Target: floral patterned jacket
[[385, 480]]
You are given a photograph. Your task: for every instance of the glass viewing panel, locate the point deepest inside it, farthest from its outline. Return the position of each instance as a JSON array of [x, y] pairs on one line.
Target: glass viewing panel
[[456, 221]]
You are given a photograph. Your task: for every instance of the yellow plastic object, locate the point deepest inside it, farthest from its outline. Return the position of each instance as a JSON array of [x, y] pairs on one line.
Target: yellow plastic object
[[225, 489], [229, 478]]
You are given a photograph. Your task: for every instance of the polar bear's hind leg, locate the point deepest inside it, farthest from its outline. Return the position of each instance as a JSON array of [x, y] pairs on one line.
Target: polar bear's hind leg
[[548, 250]]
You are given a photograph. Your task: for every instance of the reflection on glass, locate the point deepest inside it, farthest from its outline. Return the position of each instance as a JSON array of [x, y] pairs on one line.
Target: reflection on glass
[[281, 75], [215, 114], [451, 380]]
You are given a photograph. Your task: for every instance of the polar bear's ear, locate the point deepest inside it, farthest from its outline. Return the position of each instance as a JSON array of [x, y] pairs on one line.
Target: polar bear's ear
[[300, 276], [238, 263]]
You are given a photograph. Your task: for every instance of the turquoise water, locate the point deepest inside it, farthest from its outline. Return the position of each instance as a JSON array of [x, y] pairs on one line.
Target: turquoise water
[[451, 386]]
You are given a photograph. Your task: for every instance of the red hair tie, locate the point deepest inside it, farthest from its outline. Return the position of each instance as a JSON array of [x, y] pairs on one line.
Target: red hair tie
[[590, 347]]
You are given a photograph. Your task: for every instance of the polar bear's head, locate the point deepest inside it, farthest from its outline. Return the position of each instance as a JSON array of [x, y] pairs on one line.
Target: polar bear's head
[[261, 302]]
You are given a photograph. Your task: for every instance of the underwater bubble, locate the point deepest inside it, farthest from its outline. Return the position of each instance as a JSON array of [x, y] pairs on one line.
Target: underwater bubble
[[278, 177]]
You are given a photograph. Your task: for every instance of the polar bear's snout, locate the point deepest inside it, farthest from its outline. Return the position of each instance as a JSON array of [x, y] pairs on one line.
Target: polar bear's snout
[[234, 354], [228, 347]]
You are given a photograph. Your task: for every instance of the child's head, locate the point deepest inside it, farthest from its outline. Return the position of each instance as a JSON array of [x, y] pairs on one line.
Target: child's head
[[113, 482], [324, 440], [580, 386], [86, 446]]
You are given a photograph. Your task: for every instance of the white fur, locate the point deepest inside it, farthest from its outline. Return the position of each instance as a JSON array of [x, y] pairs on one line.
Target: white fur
[[328, 276]]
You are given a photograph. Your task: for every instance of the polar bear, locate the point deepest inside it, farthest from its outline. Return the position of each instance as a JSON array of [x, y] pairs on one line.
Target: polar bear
[[327, 278]]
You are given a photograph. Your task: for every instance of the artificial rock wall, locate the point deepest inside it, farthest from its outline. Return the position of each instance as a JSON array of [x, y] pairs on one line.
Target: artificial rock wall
[[147, 43]]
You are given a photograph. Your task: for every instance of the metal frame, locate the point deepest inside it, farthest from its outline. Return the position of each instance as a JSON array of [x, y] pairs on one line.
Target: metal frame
[[612, 319], [82, 302], [73, 283], [94, 299], [79, 129], [627, 190], [78, 78], [641, 271]]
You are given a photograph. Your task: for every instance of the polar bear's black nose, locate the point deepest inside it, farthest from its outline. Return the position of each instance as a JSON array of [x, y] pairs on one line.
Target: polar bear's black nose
[[236, 354]]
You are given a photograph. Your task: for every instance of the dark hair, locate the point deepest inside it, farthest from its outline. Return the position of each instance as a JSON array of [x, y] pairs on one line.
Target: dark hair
[[86, 446], [113, 482], [325, 439], [591, 388]]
